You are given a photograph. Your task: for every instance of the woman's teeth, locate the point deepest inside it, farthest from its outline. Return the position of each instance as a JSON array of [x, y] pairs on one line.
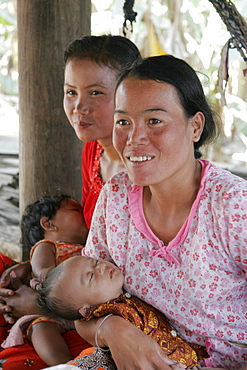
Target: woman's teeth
[[140, 159]]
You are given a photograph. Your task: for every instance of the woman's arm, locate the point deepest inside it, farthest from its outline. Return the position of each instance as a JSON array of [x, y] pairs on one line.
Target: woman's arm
[[130, 347]]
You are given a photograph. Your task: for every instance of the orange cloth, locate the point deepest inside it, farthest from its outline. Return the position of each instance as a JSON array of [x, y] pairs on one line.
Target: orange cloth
[[64, 250], [153, 323]]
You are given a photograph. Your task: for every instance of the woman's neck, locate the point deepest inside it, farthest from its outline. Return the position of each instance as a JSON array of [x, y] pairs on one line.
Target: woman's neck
[[166, 207], [109, 149], [110, 162]]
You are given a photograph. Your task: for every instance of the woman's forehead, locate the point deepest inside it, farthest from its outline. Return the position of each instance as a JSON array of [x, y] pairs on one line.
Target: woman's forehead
[[151, 90]]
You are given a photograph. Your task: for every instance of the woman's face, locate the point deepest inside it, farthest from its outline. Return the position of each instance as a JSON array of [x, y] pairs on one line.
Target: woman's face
[[151, 133], [89, 99]]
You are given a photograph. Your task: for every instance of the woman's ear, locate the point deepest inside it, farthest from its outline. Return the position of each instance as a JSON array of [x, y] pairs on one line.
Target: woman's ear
[[47, 224], [197, 122]]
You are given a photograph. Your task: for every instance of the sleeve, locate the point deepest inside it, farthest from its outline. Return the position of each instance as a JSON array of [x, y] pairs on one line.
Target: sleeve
[[41, 242], [232, 224], [85, 174], [97, 246]]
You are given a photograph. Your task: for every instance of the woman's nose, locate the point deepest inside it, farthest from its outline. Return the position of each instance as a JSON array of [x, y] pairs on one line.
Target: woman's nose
[[137, 136], [81, 107]]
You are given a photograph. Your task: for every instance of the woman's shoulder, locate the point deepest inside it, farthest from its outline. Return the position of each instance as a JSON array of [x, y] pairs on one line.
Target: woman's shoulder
[[120, 178], [223, 186], [117, 185], [90, 148], [224, 178]]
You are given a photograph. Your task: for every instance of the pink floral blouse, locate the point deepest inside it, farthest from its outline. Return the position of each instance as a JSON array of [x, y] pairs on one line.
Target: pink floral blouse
[[198, 280]]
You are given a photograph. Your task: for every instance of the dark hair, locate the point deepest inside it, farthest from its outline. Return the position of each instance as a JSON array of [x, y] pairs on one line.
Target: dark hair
[[47, 206], [116, 52], [178, 73], [53, 306]]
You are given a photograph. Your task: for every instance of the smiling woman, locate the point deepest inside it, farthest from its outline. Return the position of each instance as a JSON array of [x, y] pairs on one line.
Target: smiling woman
[[85, 97], [179, 232], [153, 140], [92, 65]]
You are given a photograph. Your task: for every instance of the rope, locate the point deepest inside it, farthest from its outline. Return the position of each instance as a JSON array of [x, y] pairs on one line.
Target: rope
[[129, 15], [237, 27], [235, 24]]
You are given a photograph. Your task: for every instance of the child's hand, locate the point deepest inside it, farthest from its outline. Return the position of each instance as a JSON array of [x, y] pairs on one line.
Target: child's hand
[[35, 284]]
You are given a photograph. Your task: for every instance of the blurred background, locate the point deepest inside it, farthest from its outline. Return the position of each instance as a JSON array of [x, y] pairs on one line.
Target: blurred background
[[189, 29]]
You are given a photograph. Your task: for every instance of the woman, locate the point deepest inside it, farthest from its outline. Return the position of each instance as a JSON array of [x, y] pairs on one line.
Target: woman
[[93, 64], [179, 233]]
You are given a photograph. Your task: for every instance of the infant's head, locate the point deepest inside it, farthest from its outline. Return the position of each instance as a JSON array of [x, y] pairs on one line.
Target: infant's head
[[53, 214], [78, 285]]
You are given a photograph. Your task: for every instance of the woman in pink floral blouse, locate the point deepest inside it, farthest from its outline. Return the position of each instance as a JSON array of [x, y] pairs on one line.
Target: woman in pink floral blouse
[[174, 224]]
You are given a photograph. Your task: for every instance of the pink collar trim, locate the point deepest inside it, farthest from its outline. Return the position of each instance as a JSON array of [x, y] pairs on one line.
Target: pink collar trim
[[135, 196]]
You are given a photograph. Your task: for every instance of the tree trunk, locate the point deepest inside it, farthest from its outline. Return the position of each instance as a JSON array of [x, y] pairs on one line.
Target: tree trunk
[[49, 149]]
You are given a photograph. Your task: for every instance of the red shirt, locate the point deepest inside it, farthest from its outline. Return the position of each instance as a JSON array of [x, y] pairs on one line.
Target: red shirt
[[91, 179]]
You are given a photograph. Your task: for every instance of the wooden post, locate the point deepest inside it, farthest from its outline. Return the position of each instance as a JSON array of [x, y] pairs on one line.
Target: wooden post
[[49, 149]]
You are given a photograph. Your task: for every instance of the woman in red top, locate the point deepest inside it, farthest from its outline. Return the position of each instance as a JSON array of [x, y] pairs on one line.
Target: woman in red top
[[92, 65]]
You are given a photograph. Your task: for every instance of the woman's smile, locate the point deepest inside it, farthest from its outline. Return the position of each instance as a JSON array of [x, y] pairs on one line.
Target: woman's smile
[[143, 158], [151, 133]]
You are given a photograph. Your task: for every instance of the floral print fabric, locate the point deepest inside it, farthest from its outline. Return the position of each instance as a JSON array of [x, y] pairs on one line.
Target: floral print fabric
[[198, 280]]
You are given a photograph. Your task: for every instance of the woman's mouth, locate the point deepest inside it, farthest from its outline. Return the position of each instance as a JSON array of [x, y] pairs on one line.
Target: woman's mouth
[[142, 158], [83, 125]]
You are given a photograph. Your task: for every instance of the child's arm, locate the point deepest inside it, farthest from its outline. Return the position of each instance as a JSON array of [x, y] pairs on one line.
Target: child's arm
[[43, 260]]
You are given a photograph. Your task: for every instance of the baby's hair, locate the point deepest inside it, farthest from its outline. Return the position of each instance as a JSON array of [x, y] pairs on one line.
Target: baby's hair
[[51, 305], [47, 206]]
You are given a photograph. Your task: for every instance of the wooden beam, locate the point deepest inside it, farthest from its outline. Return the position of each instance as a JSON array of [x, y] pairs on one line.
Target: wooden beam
[[49, 149]]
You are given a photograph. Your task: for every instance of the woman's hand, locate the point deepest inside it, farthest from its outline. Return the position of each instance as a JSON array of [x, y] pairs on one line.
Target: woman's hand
[[130, 347], [22, 300], [22, 271]]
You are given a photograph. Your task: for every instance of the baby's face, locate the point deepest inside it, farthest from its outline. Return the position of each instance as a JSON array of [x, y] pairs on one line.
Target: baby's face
[[87, 282], [69, 218]]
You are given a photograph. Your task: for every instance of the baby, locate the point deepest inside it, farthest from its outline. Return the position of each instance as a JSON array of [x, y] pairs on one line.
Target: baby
[[89, 288], [54, 230]]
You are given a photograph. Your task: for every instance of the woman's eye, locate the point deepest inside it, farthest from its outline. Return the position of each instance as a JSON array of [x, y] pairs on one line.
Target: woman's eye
[[122, 122], [154, 121], [70, 92], [96, 92]]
